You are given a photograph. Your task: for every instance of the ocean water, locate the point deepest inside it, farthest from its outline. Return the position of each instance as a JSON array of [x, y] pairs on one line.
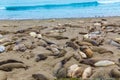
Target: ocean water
[[44, 9]]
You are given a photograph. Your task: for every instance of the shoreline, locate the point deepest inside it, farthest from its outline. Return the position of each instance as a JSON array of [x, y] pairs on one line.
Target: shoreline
[[61, 18]]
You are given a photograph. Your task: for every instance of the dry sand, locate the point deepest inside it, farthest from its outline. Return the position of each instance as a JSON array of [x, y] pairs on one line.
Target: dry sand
[[17, 32]]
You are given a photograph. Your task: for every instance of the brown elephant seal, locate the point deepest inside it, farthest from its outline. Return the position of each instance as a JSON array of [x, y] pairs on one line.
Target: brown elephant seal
[[62, 73], [100, 74], [39, 77], [72, 45], [40, 57], [115, 73], [11, 66], [9, 61], [89, 61]]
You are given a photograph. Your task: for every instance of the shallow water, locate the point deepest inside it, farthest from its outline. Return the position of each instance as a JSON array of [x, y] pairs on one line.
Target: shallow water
[[42, 9]]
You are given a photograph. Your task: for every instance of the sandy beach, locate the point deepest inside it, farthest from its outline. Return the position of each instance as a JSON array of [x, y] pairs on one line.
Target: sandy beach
[[45, 49]]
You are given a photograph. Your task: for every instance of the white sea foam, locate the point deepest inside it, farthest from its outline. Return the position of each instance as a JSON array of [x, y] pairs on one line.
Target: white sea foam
[[2, 8], [108, 1]]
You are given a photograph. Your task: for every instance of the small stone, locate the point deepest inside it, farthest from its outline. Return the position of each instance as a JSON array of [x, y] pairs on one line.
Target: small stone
[[2, 48], [33, 34]]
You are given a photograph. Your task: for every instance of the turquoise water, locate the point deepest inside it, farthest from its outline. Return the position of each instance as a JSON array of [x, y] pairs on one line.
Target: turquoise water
[[44, 9]]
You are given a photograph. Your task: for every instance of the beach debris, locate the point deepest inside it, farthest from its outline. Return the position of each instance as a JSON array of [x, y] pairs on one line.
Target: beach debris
[[83, 55], [115, 73], [33, 34], [87, 73], [40, 57], [2, 48], [19, 47], [103, 63], [87, 51], [3, 75], [39, 77], [11, 66]]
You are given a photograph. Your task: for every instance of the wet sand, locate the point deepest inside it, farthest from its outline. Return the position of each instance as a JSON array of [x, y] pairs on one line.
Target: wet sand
[[57, 32]]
